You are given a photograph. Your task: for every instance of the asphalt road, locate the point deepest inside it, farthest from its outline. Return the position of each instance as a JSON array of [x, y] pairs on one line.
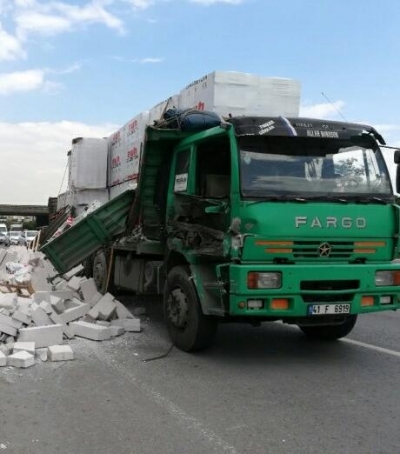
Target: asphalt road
[[258, 390]]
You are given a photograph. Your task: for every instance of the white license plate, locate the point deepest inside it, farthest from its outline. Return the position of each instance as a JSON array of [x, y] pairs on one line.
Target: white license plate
[[326, 309]]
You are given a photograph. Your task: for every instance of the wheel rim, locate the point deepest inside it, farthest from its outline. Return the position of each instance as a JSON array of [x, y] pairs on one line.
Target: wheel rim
[[177, 308]]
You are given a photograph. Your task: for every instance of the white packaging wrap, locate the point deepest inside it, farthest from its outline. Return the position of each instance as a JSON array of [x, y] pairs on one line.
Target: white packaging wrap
[[125, 147], [88, 164], [81, 199], [233, 93]]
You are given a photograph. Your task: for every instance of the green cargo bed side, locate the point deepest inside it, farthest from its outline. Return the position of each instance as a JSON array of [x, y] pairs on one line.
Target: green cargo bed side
[[88, 235]]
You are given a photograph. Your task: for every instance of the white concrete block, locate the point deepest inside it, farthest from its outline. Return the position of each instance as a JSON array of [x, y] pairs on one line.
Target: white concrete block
[[58, 320], [72, 302], [6, 325], [41, 295], [8, 300], [90, 331], [105, 308], [87, 318], [17, 324], [122, 311], [3, 359], [46, 307], [63, 294], [71, 273], [57, 304], [89, 292], [62, 285], [21, 359], [43, 336], [74, 283], [116, 330], [6, 349], [25, 305], [24, 347], [129, 324], [60, 353], [103, 323], [132, 325], [39, 316], [22, 317], [75, 312]]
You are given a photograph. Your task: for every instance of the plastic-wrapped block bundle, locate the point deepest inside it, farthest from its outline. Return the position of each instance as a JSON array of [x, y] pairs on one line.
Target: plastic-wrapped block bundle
[[125, 147], [81, 199], [88, 164], [62, 201], [234, 93]]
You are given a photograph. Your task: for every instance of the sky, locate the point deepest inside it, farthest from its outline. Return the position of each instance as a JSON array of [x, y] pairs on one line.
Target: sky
[[85, 67]]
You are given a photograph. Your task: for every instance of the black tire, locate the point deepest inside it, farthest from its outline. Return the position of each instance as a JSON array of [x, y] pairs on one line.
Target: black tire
[[88, 267], [100, 271], [330, 332], [188, 328]]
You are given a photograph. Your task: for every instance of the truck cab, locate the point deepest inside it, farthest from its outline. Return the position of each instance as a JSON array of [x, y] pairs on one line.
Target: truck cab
[[274, 219]]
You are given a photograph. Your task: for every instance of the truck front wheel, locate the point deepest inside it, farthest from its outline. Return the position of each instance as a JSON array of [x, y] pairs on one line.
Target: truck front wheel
[[330, 332], [188, 328]]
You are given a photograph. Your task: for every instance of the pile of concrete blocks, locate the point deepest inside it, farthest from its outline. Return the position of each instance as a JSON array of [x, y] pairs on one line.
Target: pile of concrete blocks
[[41, 324]]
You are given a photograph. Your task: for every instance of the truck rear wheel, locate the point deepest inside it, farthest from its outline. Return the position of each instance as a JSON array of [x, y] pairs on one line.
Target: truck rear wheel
[[330, 332], [188, 328]]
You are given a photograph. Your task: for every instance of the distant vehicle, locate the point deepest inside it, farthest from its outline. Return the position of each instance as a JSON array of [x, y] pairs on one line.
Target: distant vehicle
[[3, 233], [13, 237], [27, 237], [16, 227]]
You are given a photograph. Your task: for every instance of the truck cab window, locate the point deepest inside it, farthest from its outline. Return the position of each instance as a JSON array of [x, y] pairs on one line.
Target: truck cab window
[[213, 169]]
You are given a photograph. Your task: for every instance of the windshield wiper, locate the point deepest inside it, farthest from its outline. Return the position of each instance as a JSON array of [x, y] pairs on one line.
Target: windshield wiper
[[361, 199], [329, 198], [280, 198]]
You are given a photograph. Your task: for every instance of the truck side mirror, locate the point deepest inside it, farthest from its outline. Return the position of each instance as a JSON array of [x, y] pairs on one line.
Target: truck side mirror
[[397, 162]]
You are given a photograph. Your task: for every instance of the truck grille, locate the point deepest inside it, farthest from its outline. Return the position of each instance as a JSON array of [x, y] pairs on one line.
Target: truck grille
[[329, 285], [324, 250]]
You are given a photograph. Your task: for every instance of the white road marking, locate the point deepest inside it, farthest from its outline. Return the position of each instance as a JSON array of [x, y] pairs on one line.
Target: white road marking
[[372, 347]]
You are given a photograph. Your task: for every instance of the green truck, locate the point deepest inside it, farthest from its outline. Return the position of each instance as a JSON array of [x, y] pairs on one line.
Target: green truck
[[255, 219]]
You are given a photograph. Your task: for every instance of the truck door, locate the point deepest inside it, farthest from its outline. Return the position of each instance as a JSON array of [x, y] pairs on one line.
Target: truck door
[[201, 185]]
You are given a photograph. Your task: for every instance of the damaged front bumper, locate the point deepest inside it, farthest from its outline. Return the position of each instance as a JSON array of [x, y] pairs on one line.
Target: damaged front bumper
[[346, 289]]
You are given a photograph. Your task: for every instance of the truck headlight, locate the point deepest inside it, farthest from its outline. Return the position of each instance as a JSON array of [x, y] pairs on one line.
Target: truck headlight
[[387, 278], [264, 280]]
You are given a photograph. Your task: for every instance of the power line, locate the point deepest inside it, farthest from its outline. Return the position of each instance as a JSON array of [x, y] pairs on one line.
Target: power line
[[333, 105]]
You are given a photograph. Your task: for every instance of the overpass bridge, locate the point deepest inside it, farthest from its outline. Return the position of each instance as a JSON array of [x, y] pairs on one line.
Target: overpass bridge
[[40, 212]]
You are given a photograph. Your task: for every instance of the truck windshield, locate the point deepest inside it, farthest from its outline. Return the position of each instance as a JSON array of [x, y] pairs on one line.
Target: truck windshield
[[309, 167]]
